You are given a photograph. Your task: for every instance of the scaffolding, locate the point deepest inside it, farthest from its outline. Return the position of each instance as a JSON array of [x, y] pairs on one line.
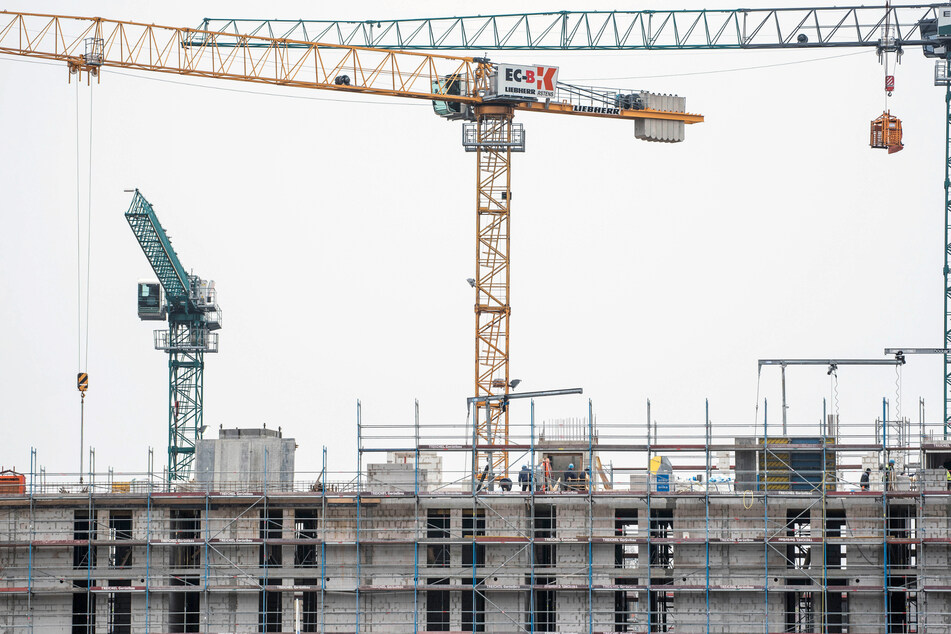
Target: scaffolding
[[750, 532]]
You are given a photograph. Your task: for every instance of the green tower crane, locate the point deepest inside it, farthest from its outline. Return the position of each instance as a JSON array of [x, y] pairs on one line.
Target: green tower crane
[[189, 305]]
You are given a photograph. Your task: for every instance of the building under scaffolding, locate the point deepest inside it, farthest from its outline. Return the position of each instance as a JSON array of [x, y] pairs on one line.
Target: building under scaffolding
[[694, 529]]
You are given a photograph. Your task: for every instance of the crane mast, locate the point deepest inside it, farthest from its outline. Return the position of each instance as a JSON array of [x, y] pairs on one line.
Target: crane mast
[[494, 142]]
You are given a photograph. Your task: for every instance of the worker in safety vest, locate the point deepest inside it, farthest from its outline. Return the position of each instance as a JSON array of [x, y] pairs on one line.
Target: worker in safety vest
[[889, 475], [546, 470], [947, 475]]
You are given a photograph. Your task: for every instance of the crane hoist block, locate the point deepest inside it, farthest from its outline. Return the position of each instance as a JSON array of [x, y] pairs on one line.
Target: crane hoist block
[[885, 133]]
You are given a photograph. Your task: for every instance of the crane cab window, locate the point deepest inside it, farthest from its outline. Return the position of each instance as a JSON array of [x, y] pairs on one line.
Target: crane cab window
[[150, 303], [450, 85]]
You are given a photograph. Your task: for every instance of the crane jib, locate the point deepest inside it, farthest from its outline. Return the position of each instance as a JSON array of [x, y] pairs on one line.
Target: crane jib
[[157, 248], [799, 27]]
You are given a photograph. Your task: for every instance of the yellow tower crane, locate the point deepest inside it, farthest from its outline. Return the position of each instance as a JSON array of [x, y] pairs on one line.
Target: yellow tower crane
[[484, 94]]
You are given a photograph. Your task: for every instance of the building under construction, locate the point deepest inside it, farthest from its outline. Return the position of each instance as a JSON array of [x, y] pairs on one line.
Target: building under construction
[[503, 525], [616, 529]]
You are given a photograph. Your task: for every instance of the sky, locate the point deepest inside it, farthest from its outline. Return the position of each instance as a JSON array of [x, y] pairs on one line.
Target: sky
[[340, 232]]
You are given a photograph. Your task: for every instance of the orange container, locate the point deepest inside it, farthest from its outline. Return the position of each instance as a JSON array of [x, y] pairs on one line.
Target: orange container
[[12, 483], [885, 133]]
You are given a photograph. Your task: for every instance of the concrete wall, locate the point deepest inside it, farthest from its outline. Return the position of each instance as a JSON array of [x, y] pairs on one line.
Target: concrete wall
[[245, 460]]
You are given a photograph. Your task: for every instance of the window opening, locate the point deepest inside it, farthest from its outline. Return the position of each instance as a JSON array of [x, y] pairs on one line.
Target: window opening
[[473, 525], [120, 529], [545, 528], [305, 527], [437, 606], [473, 620], [545, 608], [437, 527]]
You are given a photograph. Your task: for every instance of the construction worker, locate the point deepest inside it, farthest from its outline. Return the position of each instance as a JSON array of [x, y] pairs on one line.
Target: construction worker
[[525, 477], [571, 478], [889, 475], [865, 478], [546, 474], [947, 475]]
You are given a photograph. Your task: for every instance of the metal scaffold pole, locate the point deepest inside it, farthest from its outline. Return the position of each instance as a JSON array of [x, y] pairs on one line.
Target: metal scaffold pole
[[824, 528], [947, 244], [29, 596], [206, 554], [323, 539], [416, 530], [887, 483], [706, 500], [590, 485], [531, 511], [148, 546], [359, 510], [647, 504], [763, 485]]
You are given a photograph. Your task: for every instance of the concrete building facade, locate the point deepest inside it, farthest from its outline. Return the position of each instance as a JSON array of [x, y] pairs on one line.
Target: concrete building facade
[[433, 554]]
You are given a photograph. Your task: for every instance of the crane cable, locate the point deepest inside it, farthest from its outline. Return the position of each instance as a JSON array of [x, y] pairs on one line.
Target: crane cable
[[88, 222], [79, 267], [885, 40], [82, 334]]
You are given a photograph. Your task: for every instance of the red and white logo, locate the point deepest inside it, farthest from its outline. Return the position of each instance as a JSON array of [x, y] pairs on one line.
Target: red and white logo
[[527, 81], [542, 76]]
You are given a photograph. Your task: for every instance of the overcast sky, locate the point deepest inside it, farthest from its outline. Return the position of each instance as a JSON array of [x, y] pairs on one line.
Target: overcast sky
[[340, 232]]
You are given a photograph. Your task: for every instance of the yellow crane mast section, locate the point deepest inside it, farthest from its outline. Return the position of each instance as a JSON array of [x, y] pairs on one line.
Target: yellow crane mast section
[[87, 44]]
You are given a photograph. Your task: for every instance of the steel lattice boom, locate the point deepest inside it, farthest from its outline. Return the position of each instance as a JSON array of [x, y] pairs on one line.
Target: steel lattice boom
[[157, 247], [608, 30], [87, 44]]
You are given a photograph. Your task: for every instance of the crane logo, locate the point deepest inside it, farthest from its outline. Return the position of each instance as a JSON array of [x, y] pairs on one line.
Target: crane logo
[[525, 83]]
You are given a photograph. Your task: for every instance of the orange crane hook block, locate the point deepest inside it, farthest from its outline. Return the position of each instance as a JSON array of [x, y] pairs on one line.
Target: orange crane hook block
[[886, 133]]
